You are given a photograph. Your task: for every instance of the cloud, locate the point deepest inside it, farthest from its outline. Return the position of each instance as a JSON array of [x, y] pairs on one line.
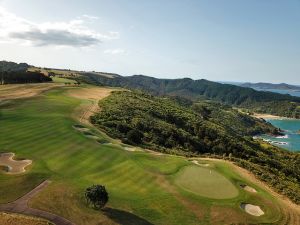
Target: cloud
[[117, 51], [89, 17], [73, 33]]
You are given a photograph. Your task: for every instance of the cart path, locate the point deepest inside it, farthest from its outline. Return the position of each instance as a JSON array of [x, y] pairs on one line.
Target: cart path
[[21, 206]]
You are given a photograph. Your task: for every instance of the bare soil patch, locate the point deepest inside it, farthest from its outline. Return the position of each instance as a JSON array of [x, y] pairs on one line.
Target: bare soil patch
[[253, 210], [13, 166]]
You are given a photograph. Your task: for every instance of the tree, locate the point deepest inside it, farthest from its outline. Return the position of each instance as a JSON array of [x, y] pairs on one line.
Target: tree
[[96, 195], [135, 136]]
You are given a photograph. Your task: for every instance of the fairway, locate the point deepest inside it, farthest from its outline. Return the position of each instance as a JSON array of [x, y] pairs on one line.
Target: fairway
[[206, 182], [140, 184]]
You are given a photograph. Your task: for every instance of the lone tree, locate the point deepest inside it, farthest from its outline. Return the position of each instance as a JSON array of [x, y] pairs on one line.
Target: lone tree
[[96, 195]]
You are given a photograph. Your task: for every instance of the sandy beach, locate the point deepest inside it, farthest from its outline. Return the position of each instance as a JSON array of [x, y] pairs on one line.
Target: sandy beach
[[269, 116]]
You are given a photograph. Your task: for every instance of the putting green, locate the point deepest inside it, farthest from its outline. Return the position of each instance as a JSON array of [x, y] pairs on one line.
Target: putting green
[[206, 182]]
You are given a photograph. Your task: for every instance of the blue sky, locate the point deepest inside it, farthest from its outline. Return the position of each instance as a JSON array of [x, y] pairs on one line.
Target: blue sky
[[224, 40]]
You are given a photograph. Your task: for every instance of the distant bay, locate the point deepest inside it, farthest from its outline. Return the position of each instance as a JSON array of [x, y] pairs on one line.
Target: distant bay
[[291, 138], [280, 91]]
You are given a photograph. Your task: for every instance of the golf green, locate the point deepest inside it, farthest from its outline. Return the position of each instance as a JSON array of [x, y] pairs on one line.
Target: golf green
[[206, 182]]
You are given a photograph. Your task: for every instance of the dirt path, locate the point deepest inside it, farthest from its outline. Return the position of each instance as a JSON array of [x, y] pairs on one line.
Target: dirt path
[[21, 206]]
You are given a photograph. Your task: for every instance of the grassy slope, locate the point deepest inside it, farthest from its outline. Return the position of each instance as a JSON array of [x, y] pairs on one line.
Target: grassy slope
[[163, 125], [139, 183]]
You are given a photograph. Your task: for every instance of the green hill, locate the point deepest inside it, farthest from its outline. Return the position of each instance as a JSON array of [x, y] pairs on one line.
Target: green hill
[[257, 101], [199, 128], [14, 73]]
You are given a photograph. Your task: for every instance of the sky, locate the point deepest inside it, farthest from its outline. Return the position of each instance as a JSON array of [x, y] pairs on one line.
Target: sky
[[220, 40]]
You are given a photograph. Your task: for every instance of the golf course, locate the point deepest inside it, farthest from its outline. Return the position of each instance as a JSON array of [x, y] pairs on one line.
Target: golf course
[[49, 127]]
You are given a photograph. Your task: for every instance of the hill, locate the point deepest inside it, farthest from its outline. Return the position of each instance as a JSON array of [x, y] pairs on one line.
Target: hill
[[6, 66], [201, 128], [266, 86], [14, 73], [247, 98], [144, 186]]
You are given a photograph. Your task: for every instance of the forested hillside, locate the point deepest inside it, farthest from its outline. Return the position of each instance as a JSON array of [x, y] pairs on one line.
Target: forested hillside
[[13, 73], [257, 101], [178, 127], [6, 66]]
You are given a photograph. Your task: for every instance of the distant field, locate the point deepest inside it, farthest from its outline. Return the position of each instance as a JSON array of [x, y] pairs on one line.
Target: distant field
[[62, 80], [144, 188]]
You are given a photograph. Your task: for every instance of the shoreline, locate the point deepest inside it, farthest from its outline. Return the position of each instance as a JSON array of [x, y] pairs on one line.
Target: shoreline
[[271, 117]]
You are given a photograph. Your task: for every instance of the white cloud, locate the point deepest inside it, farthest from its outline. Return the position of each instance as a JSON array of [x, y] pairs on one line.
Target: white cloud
[[116, 51], [89, 17], [72, 33]]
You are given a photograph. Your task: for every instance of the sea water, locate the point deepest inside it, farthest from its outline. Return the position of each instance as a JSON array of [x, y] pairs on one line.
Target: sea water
[[291, 138], [284, 92]]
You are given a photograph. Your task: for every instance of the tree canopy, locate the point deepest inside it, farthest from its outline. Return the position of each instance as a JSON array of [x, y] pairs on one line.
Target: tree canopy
[[96, 195]]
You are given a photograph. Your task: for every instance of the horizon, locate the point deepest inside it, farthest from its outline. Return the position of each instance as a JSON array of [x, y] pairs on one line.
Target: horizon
[[234, 42], [161, 77]]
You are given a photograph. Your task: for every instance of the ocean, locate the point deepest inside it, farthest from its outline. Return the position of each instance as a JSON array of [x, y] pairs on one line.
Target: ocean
[[290, 92], [291, 138]]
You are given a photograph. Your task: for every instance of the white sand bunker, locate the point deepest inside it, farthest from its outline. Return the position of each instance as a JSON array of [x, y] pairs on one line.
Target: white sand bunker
[[11, 166], [92, 136], [253, 210], [200, 164], [80, 128], [130, 149], [248, 188]]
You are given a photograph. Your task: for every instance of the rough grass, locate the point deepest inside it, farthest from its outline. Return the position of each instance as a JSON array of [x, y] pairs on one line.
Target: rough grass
[[16, 219], [41, 129]]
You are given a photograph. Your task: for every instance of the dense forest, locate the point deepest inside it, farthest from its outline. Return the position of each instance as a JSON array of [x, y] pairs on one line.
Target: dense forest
[[250, 99], [6, 66], [182, 127], [13, 73]]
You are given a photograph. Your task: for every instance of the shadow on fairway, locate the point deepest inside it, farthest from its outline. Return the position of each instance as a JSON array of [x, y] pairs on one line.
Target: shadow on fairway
[[124, 218]]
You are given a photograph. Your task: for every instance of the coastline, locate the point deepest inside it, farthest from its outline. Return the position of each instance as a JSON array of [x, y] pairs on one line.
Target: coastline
[[271, 117]]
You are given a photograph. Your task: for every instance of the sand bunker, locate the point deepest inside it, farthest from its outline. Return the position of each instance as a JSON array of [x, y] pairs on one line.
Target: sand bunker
[[12, 166], [248, 188], [130, 149], [80, 128], [91, 136], [200, 164], [102, 141], [253, 210]]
